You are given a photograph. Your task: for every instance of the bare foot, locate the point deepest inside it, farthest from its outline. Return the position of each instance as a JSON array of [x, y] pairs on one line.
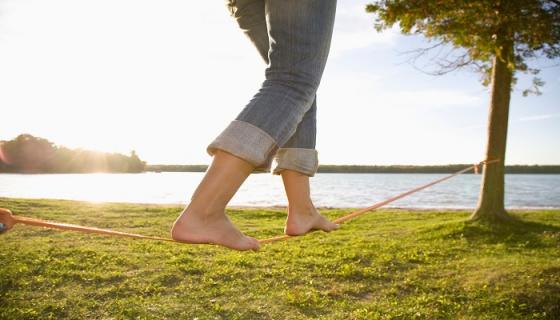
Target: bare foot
[[212, 229], [301, 221]]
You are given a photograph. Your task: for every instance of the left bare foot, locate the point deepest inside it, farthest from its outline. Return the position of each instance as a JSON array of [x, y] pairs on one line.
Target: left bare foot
[[192, 227]]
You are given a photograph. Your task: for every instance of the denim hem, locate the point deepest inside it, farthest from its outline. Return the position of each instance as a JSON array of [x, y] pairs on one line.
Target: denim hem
[[264, 168], [247, 142], [302, 160]]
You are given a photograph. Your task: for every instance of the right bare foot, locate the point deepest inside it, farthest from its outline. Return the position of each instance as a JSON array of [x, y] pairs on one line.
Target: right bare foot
[[303, 220], [211, 229]]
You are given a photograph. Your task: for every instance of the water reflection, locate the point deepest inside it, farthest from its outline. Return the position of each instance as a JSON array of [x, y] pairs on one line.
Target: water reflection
[[331, 190]]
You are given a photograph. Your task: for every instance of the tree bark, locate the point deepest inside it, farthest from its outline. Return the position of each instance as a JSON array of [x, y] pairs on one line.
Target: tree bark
[[491, 200]]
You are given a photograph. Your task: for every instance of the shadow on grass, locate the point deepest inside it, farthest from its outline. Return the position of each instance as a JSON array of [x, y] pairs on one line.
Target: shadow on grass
[[517, 232]]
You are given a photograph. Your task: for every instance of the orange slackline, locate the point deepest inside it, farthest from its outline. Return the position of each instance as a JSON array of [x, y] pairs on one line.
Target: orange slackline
[[8, 220], [359, 212]]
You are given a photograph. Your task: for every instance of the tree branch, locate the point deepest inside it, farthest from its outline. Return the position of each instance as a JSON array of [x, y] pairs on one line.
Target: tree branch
[[445, 58]]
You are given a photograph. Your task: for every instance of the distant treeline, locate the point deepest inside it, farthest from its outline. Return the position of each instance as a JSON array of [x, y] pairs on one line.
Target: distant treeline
[[430, 169], [29, 154], [176, 167], [536, 169]]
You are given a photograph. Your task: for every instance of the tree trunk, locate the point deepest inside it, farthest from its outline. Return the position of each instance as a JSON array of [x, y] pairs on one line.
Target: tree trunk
[[491, 200]]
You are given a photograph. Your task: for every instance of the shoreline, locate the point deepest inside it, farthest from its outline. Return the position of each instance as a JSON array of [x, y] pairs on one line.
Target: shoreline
[[264, 173], [280, 207]]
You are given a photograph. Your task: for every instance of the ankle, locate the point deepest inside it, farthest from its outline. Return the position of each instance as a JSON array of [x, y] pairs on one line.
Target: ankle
[[301, 208], [201, 211]]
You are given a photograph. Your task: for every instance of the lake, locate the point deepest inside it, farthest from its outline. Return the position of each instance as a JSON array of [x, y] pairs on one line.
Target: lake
[[328, 189]]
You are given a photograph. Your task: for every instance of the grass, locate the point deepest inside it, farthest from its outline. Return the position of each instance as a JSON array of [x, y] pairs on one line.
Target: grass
[[388, 264]]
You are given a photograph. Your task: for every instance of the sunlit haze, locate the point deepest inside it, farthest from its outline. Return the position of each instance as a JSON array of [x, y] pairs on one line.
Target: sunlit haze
[[165, 77]]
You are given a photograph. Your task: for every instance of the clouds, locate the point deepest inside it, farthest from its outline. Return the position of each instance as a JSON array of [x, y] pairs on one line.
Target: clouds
[[432, 98], [539, 117], [165, 78], [353, 89], [354, 29]]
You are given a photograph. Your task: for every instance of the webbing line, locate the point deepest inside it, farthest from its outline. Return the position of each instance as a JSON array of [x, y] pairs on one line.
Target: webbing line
[[8, 220], [377, 205]]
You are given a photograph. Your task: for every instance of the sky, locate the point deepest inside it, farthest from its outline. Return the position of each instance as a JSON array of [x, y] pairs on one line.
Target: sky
[[165, 77]]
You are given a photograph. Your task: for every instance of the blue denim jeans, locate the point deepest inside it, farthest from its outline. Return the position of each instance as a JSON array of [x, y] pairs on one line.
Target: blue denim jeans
[[293, 37]]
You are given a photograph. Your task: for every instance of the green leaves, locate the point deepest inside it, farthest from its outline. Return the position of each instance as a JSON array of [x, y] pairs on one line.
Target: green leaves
[[535, 88], [481, 27]]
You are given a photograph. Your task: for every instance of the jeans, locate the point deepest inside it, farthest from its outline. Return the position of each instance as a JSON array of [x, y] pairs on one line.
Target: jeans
[[293, 37]]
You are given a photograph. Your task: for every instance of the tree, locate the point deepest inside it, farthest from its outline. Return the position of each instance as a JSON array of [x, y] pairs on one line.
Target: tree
[[496, 37], [134, 163], [29, 154]]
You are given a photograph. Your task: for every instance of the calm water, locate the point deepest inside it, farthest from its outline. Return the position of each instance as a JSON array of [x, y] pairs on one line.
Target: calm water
[[332, 190]]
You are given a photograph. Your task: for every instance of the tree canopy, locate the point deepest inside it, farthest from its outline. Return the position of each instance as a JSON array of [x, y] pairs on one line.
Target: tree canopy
[[481, 28]]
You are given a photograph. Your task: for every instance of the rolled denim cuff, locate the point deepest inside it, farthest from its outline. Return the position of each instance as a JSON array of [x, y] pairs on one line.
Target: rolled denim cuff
[[302, 160], [247, 142]]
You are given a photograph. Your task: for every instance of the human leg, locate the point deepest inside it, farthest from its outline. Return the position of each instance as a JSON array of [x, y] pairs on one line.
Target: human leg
[[270, 119], [298, 153], [251, 19], [302, 214], [299, 34], [297, 158], [204, 220]]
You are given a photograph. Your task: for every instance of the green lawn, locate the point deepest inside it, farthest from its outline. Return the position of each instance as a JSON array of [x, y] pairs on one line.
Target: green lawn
[[388, 264]]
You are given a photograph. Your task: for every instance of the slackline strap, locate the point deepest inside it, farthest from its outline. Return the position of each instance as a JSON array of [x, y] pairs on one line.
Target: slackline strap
[[8, 220]]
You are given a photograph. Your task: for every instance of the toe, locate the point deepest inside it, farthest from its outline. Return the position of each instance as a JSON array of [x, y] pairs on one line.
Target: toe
[[251, 244], [256, 244], [327, 225]]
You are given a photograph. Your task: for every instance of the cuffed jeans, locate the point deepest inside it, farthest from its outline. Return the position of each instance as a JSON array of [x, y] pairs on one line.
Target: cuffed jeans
[[293, 37]]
